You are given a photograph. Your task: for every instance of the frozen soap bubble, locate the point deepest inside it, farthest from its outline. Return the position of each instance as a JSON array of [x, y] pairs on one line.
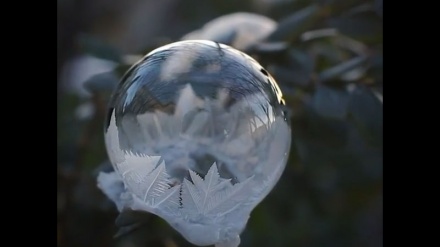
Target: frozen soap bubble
[[197, 134]]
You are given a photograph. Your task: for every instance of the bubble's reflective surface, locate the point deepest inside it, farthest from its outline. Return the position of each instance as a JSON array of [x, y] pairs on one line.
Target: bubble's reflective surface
[[197, 134]]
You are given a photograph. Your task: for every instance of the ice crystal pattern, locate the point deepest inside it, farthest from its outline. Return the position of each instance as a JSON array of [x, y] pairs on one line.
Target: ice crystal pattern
[[205, 159]]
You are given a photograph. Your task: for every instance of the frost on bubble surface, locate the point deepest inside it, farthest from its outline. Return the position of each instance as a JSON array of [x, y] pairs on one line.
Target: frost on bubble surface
[[197, 134]]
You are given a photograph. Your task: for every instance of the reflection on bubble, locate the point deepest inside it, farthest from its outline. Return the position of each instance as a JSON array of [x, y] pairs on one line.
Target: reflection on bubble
[[196, 132]]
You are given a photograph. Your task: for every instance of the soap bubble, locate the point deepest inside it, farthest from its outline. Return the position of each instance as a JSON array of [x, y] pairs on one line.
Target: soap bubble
[[198, 134]]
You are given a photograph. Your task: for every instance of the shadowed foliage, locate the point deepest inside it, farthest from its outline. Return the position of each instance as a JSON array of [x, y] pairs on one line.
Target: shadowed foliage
[[327, 57]]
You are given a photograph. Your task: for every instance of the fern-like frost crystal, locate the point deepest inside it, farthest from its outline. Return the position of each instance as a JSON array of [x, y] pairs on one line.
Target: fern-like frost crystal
[[197, 134]]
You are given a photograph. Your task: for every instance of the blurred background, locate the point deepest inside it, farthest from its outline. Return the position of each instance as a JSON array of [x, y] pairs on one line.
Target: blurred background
[[326, 56]]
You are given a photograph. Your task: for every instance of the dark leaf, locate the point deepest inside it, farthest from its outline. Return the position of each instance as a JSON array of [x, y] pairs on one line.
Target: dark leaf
[[269, 47], [330, 103], [104, 82], [129, 217], [342, 68], [378, 6], [320, 33], [105, 166], [122, 69], [290, 28], [340, 6], [322, 130], [376, 69], [326, 55], [290, 76], [297, 72], [364, 26], [125, 230], [366, 110], [268, 53], [98, 48], [152, 44], [300, 58], [129, 221]]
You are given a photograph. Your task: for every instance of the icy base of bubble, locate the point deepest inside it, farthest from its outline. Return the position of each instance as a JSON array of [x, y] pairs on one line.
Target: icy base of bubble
[[208, 201], [205, 211]]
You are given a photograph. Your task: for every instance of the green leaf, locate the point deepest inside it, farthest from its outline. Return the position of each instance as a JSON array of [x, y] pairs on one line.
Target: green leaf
[[290, 28]]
